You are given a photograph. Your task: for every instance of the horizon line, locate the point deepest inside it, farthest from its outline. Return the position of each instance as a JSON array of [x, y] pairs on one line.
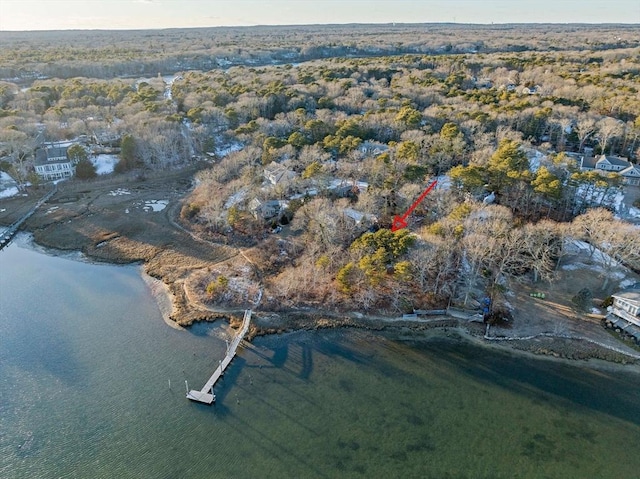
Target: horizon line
[[266, 25]]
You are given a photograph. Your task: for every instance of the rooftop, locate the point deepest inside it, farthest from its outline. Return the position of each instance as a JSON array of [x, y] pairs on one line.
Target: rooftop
[[631, 294]]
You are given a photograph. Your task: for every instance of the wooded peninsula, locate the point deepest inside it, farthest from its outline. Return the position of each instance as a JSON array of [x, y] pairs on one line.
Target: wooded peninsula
[[284, 154]]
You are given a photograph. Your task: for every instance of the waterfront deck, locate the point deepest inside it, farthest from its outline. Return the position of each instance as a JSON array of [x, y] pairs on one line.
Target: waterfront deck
[[205, 395]]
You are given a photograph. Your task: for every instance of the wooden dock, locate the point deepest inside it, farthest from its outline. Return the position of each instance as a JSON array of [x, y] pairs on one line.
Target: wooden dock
[[205, 395], [7, 235]]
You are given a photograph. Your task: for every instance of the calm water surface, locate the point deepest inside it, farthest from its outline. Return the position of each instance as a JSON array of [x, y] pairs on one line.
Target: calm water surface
[[86, 360]]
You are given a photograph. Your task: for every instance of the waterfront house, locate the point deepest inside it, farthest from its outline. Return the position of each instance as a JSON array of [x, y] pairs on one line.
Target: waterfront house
[[624, 313], [52, 163]]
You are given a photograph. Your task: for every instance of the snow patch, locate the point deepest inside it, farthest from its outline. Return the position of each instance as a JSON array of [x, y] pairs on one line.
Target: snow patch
[[222, 152], [535, 158], [104, 164], [572, 266], [444, 182], [11, 191], [627, 283], [119, 192], [581, 245], [600, 196], [155, 205], [8, 187], [618, 275]]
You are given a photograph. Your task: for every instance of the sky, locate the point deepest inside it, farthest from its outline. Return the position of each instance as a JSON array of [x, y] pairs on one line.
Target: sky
[[146, 14]]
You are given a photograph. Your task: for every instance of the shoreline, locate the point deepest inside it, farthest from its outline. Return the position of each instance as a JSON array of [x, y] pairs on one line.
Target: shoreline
[[166, 268], [163, 298], [551, 346], [463, 334]]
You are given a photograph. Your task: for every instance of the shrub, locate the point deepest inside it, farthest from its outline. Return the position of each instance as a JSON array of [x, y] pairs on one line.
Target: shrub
[[189, 211], [85, 170], [217, 286], [583, 300], [608, 301]]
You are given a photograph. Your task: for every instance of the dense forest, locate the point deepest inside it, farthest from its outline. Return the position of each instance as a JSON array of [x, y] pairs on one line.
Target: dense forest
[[25, 56], [331, 131]]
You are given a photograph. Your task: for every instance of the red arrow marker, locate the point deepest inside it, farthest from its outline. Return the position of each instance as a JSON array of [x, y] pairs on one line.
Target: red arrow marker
[[400, 222]]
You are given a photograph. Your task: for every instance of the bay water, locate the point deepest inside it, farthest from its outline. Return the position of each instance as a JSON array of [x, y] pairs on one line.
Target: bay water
[[92, 386]]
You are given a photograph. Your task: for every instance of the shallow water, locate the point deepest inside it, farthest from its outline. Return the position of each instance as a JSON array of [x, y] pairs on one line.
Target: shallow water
[[86, 360]]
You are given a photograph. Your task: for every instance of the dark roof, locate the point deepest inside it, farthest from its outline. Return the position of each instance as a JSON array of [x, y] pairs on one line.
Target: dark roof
[[588, 162], [43, 154]]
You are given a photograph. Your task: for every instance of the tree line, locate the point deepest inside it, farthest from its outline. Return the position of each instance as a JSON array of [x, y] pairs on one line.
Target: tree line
[[26, 56]]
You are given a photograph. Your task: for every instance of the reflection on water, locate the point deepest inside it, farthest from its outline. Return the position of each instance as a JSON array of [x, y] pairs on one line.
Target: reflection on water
[[86, 363]]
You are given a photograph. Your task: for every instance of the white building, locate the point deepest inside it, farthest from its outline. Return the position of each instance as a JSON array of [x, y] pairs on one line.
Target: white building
[[611, 163], [625, 311], [52, 163], [631, 175]]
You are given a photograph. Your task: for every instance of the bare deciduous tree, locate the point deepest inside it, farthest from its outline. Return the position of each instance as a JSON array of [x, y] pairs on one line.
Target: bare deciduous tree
[[607, 129], [585, 127]]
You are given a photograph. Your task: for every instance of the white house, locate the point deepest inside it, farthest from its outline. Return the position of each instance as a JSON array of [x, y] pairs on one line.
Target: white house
[[611, 163], [625, 311], [587, 163], [52, 163], [631, 175]]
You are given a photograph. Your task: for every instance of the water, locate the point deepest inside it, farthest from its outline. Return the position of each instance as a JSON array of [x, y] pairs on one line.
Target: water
[[86, 359]]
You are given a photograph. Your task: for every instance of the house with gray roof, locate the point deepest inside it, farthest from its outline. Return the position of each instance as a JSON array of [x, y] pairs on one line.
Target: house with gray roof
[[276, 174], [587, 162], [611, 163], [631, 175], [267, 209], [52, 163]]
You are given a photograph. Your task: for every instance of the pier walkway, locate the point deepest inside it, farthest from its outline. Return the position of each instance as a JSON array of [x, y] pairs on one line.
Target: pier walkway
[[7, 235], [205, 395]]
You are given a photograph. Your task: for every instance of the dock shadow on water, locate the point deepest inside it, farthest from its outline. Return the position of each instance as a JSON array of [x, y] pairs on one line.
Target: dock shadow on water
[[333, 403]]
